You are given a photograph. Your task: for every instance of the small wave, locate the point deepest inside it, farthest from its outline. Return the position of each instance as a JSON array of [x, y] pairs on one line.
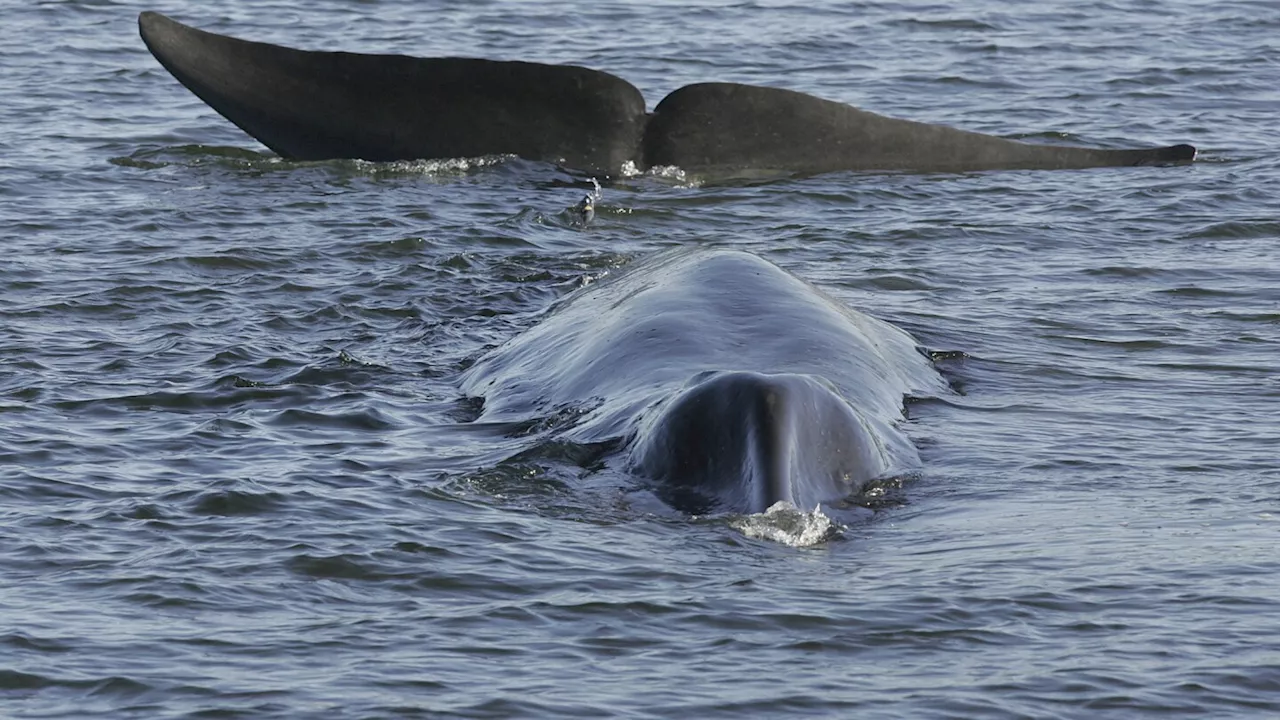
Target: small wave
[[24, 641], [958, 81], [785, 523], [14, 680], [191, 155], [236, 502], [1238, 229], [510, 482], [243, 159], [1048, 137], [370, 419], [670, 173], [114, 686], [433, 168], [231, 393], [583, 455], [335, 567], [560, 418], [944, 24]]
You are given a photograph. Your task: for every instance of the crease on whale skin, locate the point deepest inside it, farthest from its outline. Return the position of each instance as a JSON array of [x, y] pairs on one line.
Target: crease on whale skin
[[311, 105], [732, 383]]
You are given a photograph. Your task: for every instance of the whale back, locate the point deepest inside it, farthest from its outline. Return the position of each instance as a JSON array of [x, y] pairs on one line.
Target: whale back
[[677, 314], [633, 353]]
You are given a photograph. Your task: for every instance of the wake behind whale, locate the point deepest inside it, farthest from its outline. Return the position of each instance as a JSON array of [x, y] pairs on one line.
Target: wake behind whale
[[733, 383]]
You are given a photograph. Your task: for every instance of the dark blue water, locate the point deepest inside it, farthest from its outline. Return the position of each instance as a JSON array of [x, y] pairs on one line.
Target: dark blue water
[[237, 477]]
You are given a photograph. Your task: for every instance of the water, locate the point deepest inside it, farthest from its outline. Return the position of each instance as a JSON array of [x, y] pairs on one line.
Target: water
[[236, 479]]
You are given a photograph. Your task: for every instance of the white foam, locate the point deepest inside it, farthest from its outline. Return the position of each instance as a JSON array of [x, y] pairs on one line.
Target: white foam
[[665, 172], [785, 523], [445, 166]]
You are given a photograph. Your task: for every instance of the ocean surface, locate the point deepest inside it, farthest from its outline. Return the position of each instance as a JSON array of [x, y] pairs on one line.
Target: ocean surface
[[239, 477]]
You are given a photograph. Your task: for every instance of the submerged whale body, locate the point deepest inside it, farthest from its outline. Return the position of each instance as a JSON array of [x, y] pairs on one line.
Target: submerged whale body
[[308, 105], [733, 384]]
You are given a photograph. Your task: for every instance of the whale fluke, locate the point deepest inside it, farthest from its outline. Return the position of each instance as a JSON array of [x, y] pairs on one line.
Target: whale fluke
[[726, 127], [309, 105]]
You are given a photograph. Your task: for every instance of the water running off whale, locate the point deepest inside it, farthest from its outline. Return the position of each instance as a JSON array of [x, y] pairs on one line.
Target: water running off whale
[[322, 105], [734, 384]]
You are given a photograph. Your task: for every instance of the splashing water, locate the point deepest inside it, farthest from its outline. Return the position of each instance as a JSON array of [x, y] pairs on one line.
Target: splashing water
[[785, 523], [585, 210]]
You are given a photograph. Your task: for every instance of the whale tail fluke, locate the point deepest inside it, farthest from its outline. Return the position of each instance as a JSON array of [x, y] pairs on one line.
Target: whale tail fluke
[[308, 105], [1172, 154], [728, 127]]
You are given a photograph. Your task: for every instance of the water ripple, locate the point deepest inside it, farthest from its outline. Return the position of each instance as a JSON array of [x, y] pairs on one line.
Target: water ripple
[[239, 479]]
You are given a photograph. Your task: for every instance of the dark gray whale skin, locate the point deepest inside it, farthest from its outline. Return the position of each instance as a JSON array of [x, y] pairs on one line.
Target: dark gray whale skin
[[308, 105], [742, 441], [726, 128], [731, 383], [325, 105]]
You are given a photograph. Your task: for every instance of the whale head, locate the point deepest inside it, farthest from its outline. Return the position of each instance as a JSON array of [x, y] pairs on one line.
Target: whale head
[[739, 442]]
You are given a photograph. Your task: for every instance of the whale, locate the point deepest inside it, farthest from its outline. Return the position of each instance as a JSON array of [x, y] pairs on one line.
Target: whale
[[318, 105], [727, 383]]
